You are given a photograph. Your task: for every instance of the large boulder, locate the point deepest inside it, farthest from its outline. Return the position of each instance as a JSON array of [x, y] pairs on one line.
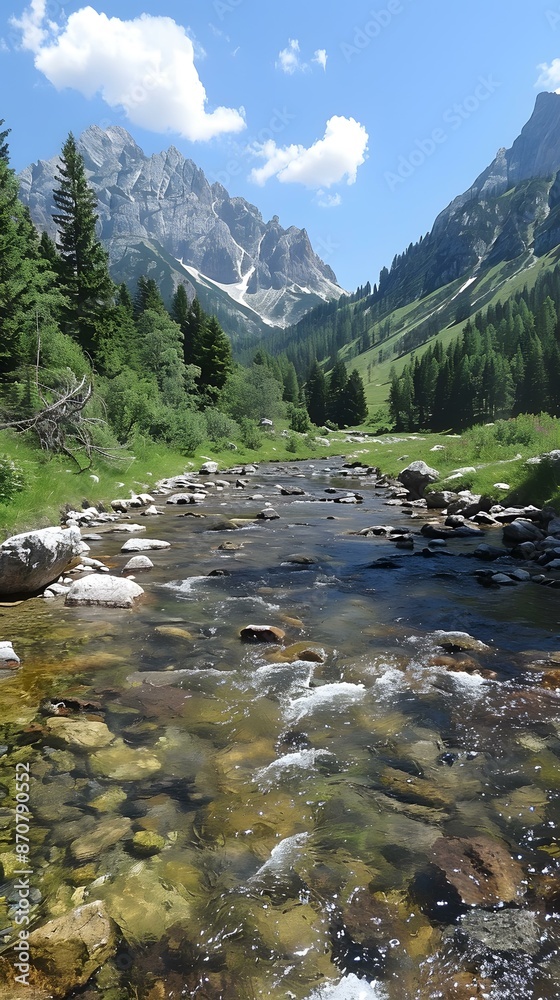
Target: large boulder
[[521, 530], [30, 561], [105, 591], [416, 477]]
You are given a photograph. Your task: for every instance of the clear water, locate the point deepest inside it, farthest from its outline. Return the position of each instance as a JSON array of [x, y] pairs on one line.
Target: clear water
[[302, 804]]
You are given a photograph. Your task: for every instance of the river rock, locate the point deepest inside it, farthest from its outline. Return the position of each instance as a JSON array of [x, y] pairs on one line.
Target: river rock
[[174, 632], [67, 951], [32, 560], [138, 563], [481, 870], [416, 477], [528, 513], [144, 907], [268, 514], [434, 530], [554, 526], [209, 469], [121, 763], [145, 843], [262, 633], [131, 529], [502, 580], [9, 659], [440, 500], [521, 530], [104, 591], [509, 930], [144, 545], [458, 642], [106, 834], [185, 499], [80, 734]]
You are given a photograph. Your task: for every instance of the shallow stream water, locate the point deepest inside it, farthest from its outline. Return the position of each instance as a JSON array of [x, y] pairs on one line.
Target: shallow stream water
[[339, 815]]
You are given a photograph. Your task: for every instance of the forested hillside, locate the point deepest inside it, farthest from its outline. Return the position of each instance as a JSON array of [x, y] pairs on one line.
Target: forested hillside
[[506, 362], [86, 368]]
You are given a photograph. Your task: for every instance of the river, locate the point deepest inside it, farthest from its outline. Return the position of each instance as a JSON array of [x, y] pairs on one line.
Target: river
[[367, 810]]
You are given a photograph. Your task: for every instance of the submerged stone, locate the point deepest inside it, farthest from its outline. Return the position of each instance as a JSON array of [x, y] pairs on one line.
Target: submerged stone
[[107, 833], [481, 870], [508, 931], [144, 908], [80, 733], [174, 632], [68, 950], [121, 763], [146, 843]]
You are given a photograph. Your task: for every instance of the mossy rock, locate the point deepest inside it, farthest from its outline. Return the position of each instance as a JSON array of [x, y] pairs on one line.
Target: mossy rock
[[146, 843]]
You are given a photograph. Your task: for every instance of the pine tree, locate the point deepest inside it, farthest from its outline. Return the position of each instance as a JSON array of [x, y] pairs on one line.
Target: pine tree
[[335, 397], [316, 395], [355, 408], [213, 356], [20, 266], [290, 382], [148, 296], [83, 269]]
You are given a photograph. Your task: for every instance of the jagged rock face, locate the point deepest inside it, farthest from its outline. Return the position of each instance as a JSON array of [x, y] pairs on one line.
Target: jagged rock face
[[166, 203], [511, 209]]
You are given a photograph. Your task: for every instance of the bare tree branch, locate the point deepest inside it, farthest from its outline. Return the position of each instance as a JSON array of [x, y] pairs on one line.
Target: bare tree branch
[[61, 425]]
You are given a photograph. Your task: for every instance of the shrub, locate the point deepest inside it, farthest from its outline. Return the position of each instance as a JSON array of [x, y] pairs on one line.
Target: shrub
[[251, 436], [292, 444], [220, 427], [191, 431], [12, 480], [300, 421]]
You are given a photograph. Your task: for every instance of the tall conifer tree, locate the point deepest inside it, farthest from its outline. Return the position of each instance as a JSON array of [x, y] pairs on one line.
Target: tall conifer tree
[[84, 270]]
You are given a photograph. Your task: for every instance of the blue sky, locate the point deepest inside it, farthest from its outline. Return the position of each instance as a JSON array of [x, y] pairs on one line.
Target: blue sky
[[359, 121]]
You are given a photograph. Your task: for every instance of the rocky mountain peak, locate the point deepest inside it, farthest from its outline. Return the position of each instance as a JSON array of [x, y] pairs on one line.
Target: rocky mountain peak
[[166, 203]]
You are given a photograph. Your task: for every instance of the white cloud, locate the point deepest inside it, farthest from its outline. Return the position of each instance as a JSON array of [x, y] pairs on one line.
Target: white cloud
[[290, 61], [325, 200], [550, 76], [328, 161], [321, 57], [145, 66], [33, 25]]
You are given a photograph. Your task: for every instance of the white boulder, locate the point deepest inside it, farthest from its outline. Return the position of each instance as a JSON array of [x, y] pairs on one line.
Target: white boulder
[[105, 591], [32, 560]]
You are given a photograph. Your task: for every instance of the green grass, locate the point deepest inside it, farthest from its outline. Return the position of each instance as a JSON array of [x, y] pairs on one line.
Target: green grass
[[498, 452]]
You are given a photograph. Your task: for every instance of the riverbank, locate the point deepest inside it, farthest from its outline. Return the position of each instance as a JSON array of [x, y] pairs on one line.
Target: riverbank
[[485, 460]]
